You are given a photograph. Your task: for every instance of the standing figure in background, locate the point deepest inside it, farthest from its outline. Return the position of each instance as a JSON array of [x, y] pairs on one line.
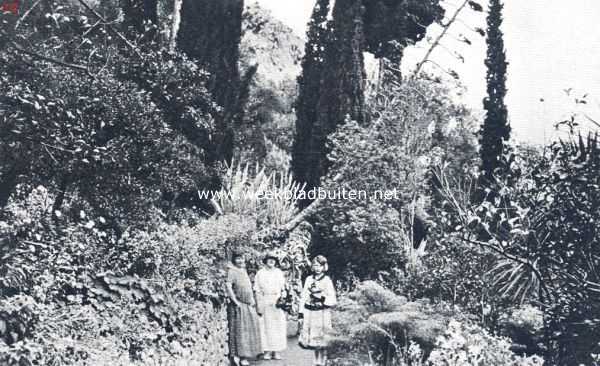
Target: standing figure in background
[[244, 327], [318, 296], [269, 285]]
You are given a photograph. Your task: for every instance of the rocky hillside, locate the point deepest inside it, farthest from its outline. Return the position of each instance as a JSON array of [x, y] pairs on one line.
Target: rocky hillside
[[269, 126], [270, 44]]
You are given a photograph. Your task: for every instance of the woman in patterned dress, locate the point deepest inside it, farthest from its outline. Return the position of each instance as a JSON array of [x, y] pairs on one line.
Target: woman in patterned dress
[[269, 284], [318, 296], [244, 327]]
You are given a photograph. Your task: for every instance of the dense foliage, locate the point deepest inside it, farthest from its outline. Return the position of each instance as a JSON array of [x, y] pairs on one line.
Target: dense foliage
[[541, 228], [118, 214], [210, 34], [375, 325], [393, 155]]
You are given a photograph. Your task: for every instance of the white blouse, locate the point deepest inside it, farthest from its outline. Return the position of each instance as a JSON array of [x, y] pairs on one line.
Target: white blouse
[[269, 281]]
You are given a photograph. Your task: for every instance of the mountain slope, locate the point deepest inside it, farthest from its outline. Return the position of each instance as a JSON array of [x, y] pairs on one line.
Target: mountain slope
[[268, 128], [271, 44]]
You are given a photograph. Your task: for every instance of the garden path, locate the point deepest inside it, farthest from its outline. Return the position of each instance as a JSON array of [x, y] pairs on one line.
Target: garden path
[[293, 356]]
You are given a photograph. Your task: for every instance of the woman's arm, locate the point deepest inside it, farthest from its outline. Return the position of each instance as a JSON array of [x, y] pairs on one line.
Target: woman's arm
[[258, 287], [259, 292], [229, 288]]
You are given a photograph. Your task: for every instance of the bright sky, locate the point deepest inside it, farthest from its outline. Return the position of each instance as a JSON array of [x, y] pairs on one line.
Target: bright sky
[[551, 45]]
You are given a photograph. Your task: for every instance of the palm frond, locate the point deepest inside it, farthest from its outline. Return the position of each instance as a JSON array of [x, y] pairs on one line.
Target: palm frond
[[515, 280]]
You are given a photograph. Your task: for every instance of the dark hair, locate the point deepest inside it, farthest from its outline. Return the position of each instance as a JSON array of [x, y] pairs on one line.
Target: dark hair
[[322, 261], [236, 254]]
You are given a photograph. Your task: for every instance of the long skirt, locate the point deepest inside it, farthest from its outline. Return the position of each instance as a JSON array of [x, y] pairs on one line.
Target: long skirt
[[244, 331], [273, 325], [316, 329]]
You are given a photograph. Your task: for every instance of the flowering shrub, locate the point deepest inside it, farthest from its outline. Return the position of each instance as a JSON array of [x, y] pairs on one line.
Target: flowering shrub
[[375, 327], [468, 345], [372, 320]]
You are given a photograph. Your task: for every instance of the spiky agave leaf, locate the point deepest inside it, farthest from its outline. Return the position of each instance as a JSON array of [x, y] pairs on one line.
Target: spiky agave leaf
[[515, 279], [268, 197]]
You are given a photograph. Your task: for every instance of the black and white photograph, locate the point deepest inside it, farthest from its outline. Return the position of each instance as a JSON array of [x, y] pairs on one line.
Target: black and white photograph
[[299, 183]]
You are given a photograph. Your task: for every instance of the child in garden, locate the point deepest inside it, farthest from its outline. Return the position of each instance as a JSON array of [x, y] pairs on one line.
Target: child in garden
[[318, 296]]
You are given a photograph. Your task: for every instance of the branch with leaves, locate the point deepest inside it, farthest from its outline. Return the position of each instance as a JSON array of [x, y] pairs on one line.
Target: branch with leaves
[[445, 27]]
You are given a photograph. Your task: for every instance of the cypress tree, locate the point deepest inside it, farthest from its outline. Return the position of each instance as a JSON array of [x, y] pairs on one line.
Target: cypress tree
[[342, 84], [391, 25], [496, 130], [309, 84], [331, 86], [210, 33]]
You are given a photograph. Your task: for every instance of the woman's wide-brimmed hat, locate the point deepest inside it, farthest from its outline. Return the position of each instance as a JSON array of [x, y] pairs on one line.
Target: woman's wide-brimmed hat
[[271, 255]]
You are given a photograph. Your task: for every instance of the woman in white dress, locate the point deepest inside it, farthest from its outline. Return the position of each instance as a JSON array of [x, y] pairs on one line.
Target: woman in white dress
[[268, 285]]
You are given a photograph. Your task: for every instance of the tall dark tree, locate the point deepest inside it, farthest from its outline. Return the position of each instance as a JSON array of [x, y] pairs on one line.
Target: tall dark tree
[[391, 26], [342, 84], [309, 89], [496, 129], [331, 86], [210, 33]]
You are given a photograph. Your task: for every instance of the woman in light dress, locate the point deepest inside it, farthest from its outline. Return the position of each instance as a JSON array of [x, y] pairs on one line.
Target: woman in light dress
[[318, 296], [269, 284], [244, 323]]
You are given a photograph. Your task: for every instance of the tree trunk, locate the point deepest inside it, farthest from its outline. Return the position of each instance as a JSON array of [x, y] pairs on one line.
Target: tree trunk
[[7, 185], [175, 24]]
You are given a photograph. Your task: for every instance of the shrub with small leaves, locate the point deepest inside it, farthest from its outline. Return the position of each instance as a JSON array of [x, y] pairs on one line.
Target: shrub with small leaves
[[465, 344]]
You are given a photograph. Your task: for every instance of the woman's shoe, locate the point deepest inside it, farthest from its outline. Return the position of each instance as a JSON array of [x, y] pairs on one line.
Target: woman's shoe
[[244, 363], [276, 356], [235, 361], [267, 356]]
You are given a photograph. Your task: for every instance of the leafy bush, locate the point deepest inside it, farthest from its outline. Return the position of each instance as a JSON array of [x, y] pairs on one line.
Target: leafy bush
[[371, 320], [463, 344], [121, 126], [524, 326], [78, 313], [119, 334], [539, 220], [376, 327], [413, 125]]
